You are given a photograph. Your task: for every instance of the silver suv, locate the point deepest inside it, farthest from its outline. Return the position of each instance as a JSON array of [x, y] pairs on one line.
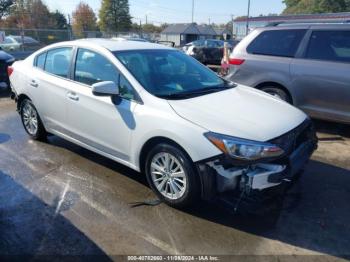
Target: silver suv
[[307, 65]]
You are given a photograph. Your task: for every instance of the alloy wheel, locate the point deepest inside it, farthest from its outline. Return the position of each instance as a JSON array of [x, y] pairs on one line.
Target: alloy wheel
[[168, 175], [30, 118]]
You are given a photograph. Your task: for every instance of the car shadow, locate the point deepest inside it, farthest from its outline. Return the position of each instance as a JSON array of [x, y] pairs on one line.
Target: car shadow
[[314, 215], [4, 92], [333, 131], [31, 229]]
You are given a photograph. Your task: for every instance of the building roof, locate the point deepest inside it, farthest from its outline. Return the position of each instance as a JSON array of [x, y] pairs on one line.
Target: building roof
[[329, 16], [206, 30], [182, 29]]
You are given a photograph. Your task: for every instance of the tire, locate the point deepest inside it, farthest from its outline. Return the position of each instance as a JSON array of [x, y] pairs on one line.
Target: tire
[[277, 92], [31, 121], [165, 179]]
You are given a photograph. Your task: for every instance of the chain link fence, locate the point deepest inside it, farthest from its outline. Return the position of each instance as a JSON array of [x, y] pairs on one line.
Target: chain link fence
[[22, 42]]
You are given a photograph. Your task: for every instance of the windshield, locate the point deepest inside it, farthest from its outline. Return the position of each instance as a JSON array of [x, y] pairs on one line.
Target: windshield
[[170, 73]]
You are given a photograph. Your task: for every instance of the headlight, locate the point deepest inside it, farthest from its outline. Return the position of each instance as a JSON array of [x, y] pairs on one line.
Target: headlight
[[243, 149]]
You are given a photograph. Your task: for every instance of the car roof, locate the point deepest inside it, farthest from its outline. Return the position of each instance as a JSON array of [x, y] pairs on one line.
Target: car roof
[[116, 45], [308, 26]]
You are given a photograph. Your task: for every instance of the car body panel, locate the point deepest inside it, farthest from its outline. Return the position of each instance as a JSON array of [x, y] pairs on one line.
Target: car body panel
[[102, 128], [320, 88], [222, 113]]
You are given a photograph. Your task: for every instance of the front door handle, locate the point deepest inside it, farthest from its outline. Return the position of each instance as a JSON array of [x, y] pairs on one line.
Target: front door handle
[[73, 96]]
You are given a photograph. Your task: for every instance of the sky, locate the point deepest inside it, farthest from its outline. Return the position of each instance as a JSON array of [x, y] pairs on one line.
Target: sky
[[180, 11]]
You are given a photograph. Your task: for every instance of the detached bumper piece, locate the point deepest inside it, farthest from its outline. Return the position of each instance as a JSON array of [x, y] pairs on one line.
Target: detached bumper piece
[[258, 187]]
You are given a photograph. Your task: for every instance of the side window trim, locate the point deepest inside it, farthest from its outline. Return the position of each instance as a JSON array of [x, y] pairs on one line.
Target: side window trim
[[72, 63], [73, 67], [301, 51], [36, 60]]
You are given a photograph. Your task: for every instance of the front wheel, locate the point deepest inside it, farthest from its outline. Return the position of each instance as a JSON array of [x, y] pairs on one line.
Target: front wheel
[[31, 121], [172, 176]]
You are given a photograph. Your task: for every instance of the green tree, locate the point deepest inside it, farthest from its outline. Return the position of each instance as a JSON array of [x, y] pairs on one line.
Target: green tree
[[316, 6], [163, 26], [59, 19], [115, 16], [5, 6], [84, 19], [150, 28], [29, 14], [39, 14]]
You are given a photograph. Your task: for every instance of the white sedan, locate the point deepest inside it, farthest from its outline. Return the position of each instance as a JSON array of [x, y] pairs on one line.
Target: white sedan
[[156, 110]]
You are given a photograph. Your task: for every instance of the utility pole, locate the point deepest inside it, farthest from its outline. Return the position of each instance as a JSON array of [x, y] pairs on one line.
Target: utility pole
[[233, 25], [146, 19], [69, 28], [247, 29], [140, 29], [192, 11]]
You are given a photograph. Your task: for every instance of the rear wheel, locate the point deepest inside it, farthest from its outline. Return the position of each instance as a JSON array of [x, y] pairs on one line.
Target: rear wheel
[[277, 92], [171, 175], [31, 120]]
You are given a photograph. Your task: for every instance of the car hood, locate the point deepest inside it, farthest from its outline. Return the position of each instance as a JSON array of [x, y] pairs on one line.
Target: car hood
[[240, 112]]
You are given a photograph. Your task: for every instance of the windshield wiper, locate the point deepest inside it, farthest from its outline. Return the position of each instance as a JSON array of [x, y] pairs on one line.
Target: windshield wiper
[[194, 93]]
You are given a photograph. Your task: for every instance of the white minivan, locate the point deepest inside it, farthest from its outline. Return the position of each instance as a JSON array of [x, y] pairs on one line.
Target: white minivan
[[162, 113]]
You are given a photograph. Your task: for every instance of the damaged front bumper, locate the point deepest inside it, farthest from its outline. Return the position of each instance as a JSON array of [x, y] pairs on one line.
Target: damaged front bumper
[[224, 179]]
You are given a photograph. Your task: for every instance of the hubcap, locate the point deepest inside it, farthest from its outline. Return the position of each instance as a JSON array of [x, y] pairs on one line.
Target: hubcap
[[168, 175], [30, 119]]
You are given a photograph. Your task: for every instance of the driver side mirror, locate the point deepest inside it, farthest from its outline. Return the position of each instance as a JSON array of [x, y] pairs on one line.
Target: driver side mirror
[[105, 88]]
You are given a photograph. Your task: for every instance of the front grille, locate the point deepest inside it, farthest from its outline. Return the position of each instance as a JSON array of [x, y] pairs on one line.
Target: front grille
[[294, 138]]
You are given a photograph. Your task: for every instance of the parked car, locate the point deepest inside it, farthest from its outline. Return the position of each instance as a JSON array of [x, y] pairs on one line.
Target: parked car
[[16, 43], [206, 51], [161, 112], [166, 43], [5, 61], [306, 65]]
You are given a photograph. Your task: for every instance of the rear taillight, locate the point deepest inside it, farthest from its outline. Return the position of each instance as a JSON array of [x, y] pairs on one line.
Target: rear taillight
[[236, 61], [9, 70]]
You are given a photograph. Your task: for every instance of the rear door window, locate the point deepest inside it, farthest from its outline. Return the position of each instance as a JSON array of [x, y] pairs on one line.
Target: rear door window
[[282, 43], [329, 46], [58, 61]]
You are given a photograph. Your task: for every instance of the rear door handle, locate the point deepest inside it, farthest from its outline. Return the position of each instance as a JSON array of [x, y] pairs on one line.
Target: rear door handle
[[73, 96], [33, 83]]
